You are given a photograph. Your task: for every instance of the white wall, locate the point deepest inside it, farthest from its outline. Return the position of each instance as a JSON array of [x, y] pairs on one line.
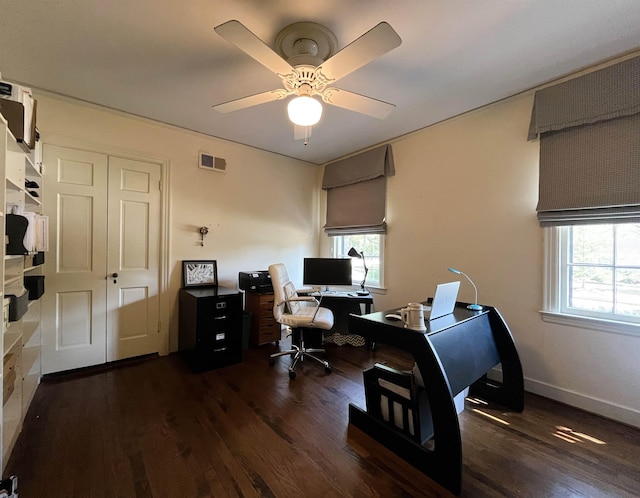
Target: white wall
[[263, 210], [464, 195]]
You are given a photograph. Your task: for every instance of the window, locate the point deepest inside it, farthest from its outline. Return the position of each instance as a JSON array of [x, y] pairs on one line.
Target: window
[[597, 272], [372, 245]]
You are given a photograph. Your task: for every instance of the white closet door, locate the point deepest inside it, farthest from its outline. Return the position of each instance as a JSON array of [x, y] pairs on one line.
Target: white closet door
[[134, 256], [104, 216], [74, 302]]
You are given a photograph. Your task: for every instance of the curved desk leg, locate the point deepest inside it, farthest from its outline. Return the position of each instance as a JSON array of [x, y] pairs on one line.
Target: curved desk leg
[[509, 392], [443, 463]]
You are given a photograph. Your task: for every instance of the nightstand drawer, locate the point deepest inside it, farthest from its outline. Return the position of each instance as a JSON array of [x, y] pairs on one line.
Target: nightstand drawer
[[266, 307], [269, 333], [264, 328]]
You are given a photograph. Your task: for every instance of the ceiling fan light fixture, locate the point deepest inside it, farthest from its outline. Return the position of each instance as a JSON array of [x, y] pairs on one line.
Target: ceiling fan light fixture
[[304, 110]]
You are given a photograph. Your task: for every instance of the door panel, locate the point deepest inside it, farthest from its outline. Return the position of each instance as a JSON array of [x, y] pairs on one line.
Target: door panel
[[74, 304], [134, 254], [134, 243], [75, 223], [73, 320]]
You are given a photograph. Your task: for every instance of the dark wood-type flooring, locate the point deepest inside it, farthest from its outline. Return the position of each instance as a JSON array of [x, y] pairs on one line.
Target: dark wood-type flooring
[[153, 428]]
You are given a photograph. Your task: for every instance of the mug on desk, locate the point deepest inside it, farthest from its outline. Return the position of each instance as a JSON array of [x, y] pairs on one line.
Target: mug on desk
[[413, 316]]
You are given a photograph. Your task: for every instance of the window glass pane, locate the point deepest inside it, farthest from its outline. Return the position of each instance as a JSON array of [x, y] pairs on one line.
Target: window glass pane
[[371, 250], [591, 288], [592, 244], [599, 272], [370, 245], [628, 292], [628, 244]]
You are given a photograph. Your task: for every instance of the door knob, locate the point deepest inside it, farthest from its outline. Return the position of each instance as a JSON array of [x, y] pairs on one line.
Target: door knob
[[114, 275]]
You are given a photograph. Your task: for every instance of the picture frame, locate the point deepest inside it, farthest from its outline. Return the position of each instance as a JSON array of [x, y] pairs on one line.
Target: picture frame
[[199, 273]]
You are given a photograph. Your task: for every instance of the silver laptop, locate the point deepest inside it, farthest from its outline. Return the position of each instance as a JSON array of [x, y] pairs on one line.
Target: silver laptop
[[444, 300]]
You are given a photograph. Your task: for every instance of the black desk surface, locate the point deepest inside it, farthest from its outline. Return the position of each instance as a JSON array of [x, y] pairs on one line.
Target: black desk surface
[[342, 304], [341, 295], [210, 291], [460, 314]]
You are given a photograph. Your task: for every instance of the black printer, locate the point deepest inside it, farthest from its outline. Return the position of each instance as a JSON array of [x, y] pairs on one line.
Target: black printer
[[255, 281]]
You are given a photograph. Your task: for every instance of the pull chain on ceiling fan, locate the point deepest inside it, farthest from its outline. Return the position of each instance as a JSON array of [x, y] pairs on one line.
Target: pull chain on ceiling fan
[[307, 64]]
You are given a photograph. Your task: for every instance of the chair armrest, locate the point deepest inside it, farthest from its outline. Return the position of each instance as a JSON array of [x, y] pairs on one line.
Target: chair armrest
[[303, 298]]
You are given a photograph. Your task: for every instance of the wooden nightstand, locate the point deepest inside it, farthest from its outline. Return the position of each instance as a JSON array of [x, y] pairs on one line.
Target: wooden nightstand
[[264, 328]]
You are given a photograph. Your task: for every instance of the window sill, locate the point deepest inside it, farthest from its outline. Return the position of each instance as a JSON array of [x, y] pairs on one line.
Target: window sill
[[377, 290], [609, 326]]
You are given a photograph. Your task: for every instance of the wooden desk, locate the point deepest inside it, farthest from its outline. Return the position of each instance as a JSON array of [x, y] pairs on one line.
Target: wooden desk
[[331, 298], [456, 351], [342, 304]]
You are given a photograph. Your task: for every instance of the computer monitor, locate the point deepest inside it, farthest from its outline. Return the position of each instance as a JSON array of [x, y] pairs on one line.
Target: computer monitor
[[327, 271]]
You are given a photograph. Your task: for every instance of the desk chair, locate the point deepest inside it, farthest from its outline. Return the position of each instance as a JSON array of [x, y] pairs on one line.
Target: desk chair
[[299, 313]]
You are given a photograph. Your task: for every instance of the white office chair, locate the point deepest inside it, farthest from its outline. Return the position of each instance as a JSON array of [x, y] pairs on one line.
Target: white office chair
[[299, 313]]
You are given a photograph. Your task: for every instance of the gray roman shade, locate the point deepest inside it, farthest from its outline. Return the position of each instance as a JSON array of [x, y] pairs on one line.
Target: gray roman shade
[[589, 129], [356, 192]]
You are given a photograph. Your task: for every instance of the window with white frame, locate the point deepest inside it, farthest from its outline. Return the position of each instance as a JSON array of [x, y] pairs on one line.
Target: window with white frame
[[372, 246], [595, 271], [588, 197]]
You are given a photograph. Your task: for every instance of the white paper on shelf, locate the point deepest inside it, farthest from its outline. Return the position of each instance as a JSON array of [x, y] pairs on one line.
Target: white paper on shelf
[[29, 240], [42, 233]]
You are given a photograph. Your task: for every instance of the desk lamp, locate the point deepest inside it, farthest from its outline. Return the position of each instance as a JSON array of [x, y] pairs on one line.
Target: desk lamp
[[475, 306], [353, 253]]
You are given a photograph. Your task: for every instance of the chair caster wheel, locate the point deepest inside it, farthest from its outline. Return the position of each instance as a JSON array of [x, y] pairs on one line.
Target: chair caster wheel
[[272, 361], [328, 369], [292, 375]]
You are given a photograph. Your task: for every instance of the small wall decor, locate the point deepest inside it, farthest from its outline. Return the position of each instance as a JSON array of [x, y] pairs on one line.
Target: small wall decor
[[199, 273], [203, 232]]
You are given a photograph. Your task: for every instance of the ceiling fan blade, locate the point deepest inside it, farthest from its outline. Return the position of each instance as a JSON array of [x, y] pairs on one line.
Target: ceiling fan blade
[[251, 100], [358, 103], [379, 40], [236, 33]]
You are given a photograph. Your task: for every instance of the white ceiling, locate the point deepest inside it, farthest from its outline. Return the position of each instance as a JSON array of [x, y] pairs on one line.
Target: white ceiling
[[161, 59]]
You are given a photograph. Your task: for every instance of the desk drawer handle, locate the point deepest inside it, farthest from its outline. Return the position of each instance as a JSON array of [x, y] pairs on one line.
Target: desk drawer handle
[[219, 350], [222, 317]]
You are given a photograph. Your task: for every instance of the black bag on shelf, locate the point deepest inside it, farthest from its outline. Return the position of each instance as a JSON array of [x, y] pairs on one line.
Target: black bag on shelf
[[18, 306], [35, 285], [38, 258], [15, 230]]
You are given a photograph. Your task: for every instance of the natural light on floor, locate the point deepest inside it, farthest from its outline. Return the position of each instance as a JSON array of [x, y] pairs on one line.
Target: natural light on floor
[[571, 436], [492, 417]]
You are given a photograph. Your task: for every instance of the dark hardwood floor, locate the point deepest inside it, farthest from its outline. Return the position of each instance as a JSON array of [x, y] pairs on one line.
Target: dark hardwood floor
[[154, 428]]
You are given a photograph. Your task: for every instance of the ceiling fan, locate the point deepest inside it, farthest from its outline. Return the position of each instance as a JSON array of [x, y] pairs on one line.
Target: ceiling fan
[[307, 63]]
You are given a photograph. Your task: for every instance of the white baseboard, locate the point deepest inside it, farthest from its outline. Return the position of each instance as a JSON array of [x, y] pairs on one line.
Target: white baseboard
[[593, 405], [600, 407]]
